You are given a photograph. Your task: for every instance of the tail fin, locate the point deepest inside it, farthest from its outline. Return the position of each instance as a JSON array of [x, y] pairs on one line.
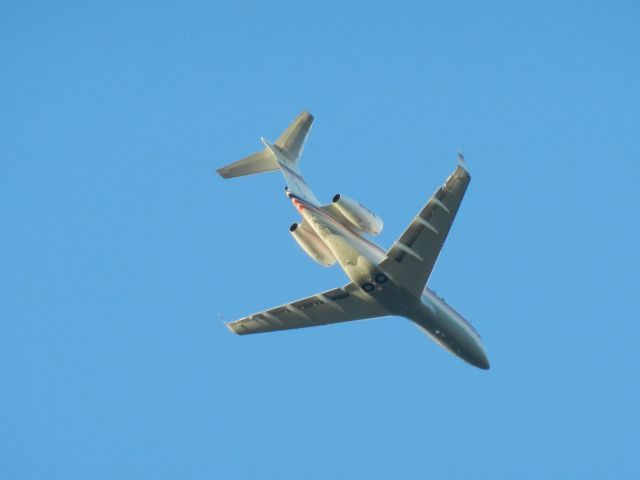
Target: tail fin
[[288, 145], [292, 140]]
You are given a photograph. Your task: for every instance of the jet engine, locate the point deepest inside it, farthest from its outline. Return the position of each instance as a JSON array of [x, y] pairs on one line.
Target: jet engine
[[359, 215], [312, 244]]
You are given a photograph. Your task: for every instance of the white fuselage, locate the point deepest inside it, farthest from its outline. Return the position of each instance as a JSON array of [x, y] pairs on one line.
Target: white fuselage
[[360, 259]]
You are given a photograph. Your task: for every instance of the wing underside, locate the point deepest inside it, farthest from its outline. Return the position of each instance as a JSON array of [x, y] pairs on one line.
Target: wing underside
[[412, 257], [333, 306]]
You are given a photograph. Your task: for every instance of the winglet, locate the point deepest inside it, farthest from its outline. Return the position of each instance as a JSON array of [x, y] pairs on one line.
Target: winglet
[[226, 324], [229, 325], [461, 161]]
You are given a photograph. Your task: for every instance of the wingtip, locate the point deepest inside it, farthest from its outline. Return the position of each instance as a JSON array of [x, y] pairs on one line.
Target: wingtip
[[462, 162], [230, 328], [222, 172], [226, 324]]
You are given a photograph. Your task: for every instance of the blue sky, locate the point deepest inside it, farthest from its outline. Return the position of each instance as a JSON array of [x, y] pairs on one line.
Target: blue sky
[[120, 244]]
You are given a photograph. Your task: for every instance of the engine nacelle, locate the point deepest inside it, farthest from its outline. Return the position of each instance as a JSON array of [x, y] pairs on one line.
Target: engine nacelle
[[312, 244], [359, 215]]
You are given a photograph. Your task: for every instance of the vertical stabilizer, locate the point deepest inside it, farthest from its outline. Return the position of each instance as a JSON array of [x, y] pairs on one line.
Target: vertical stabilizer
[[292, 140]]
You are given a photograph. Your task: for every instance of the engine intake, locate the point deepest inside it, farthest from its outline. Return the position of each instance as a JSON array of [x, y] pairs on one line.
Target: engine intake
[[358, 215]]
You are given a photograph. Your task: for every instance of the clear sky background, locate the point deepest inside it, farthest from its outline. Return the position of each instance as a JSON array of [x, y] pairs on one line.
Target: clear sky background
[[119, 244]]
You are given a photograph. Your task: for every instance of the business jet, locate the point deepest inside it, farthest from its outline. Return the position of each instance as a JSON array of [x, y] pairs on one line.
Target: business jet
[[382, 283]]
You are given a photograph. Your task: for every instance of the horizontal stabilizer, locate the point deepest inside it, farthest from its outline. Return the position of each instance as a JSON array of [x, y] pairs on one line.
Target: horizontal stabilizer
[[263, 161]]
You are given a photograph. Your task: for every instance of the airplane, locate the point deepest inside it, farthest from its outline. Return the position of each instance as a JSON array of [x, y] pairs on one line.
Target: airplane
[[382, 283]]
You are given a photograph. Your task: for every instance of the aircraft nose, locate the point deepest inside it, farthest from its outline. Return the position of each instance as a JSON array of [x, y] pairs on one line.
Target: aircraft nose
[[479, 359], [475, 355], [483, 364]]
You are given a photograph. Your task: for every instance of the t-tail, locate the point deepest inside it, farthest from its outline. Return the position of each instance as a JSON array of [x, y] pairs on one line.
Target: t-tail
[[284, 154]]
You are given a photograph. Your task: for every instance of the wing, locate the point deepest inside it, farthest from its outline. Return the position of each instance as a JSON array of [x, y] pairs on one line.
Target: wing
[[412, 257], [337, 305]]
